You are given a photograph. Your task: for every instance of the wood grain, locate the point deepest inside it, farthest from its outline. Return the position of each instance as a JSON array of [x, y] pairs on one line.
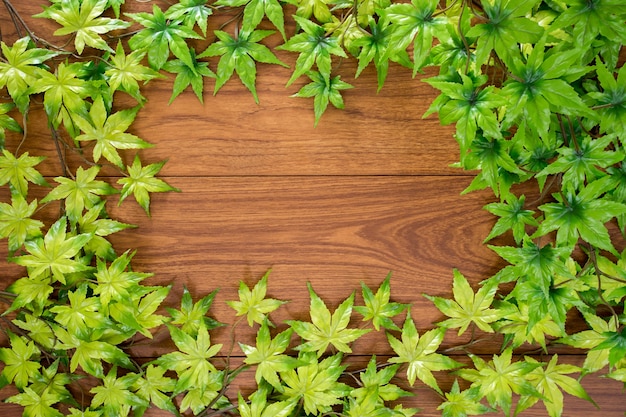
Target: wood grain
[[367, 192]]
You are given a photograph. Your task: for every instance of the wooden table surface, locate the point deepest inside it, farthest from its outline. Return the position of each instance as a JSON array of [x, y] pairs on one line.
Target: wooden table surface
[[367, 192]]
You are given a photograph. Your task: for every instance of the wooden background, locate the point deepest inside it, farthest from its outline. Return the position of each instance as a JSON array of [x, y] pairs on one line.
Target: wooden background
[[367, 192]]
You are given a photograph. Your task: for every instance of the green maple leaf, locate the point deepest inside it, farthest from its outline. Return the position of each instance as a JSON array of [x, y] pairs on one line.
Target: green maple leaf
[[255, 10], [63, 96], [315, 384], [90, 352], [21, 68], [467, 307], [197, 399], [138, 313], [513, 217], [125, 71], [581, 215], [191, 363], [191, 12], [374, 47], [540, 263], [50, 380], [462, 403], [326, 329], [53, 255], [186, 76], [18, 361], [99, 228], [268, 355], [611, 101], [466, 103], [525, 326], [498, 379], [253, 304], [550, 381], [258, 406], [314, 47], [115, 395], [154, 386], [377, 307], [375, 384], [38, 329], [20, 171], [506, 25], [615, 342], [239, 54], [414, 25], [31, 292], [191, 315], [75, 412], [109, 132], [16, 222], [141, 181], [596, 358], [7, 122], [39, 405], [324, 91], [80, 193], [83, 18], [541, 85], [584, 161], [160, 36], [115, 282], [420, 353], [82, 314], [601, 17]]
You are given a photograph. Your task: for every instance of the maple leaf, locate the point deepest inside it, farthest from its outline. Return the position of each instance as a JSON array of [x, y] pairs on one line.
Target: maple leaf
[[315, 384], [462, 403], [31, 292], [191, 315], [64, 93], [138, 313], [467, 307], [253, 304], [16, 222], [377, 307], [375, 386], [513, 217], [268, 355], [498, 379], [590, 339], [83, 19], [82, 314], [420, 353], [314, 47], [191, 12], [126, 70], [186, 76], [115, 395], [18, 361], [239, 54], [141, 181], [53, 255], [550, 380], [611, 102], [161, 35], [324, 329], [35, 404], [109, 132], [257, 406], [115, 283], [324, 91], [18, 172], [21, 69], [99, 228], [522, 324], [154, 386], [191, 363], [82, 192]]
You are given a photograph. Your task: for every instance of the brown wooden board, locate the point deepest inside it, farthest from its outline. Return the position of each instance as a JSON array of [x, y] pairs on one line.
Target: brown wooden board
[[367, 192]]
